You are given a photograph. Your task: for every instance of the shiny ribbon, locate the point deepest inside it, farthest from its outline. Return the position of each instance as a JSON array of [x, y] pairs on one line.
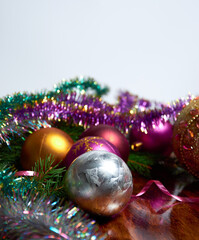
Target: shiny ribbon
[[158, 196]]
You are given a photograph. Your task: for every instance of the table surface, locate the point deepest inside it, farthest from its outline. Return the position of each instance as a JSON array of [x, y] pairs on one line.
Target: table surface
[[139, 221]]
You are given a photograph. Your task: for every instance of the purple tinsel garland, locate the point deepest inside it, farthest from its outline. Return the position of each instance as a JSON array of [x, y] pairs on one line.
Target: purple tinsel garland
[[84, 110]]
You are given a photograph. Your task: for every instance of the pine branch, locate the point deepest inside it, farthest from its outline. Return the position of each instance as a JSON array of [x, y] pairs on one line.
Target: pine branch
[[142, 163], [50, 178]]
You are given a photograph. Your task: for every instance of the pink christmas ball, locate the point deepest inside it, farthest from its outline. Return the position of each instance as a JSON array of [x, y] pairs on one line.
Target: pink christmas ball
[[157, 139], [87, 144]]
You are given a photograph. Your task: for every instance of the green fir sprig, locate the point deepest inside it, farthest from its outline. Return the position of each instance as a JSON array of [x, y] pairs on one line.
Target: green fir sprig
[[142, 163], [50, 177]]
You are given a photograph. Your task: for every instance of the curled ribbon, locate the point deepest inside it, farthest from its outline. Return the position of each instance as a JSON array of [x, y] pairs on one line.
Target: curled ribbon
[[158, 196], [26, 173]]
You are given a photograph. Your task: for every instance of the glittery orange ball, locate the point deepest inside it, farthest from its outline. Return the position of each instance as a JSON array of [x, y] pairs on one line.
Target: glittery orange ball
[[186, 137], [43, 143]]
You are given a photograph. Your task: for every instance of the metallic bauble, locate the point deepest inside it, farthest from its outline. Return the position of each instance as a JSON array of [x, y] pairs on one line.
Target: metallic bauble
[[112, 135], [43, 143], [88, 144], [100, 182]]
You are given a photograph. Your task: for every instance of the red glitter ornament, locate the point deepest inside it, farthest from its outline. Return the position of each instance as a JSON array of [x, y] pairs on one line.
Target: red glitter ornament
[[111, 134]]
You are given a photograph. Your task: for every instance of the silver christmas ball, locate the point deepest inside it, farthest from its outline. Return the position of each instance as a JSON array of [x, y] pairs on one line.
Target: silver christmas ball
[[100, 182]]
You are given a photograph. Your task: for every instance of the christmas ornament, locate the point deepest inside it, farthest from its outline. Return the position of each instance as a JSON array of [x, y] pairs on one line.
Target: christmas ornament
[[99, 182], [156, 139], [88, 144], [186, 137], [45, 142], [111, 134]]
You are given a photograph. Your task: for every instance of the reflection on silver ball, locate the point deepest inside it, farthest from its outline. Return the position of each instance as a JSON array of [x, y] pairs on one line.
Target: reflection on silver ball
[[99, 182]]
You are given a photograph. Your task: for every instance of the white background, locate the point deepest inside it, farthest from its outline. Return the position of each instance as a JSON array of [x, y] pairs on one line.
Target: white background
[[148, 47]]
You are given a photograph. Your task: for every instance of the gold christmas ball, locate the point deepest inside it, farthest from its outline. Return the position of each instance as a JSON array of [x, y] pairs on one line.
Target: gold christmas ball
[[43, 143], [186, 137]]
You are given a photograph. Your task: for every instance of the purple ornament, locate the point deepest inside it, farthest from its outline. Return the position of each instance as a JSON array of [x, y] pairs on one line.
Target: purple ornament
[[155, 139], [87, 144]]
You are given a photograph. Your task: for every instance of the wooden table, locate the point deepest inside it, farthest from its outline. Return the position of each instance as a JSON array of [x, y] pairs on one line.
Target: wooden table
[[139, 221]]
